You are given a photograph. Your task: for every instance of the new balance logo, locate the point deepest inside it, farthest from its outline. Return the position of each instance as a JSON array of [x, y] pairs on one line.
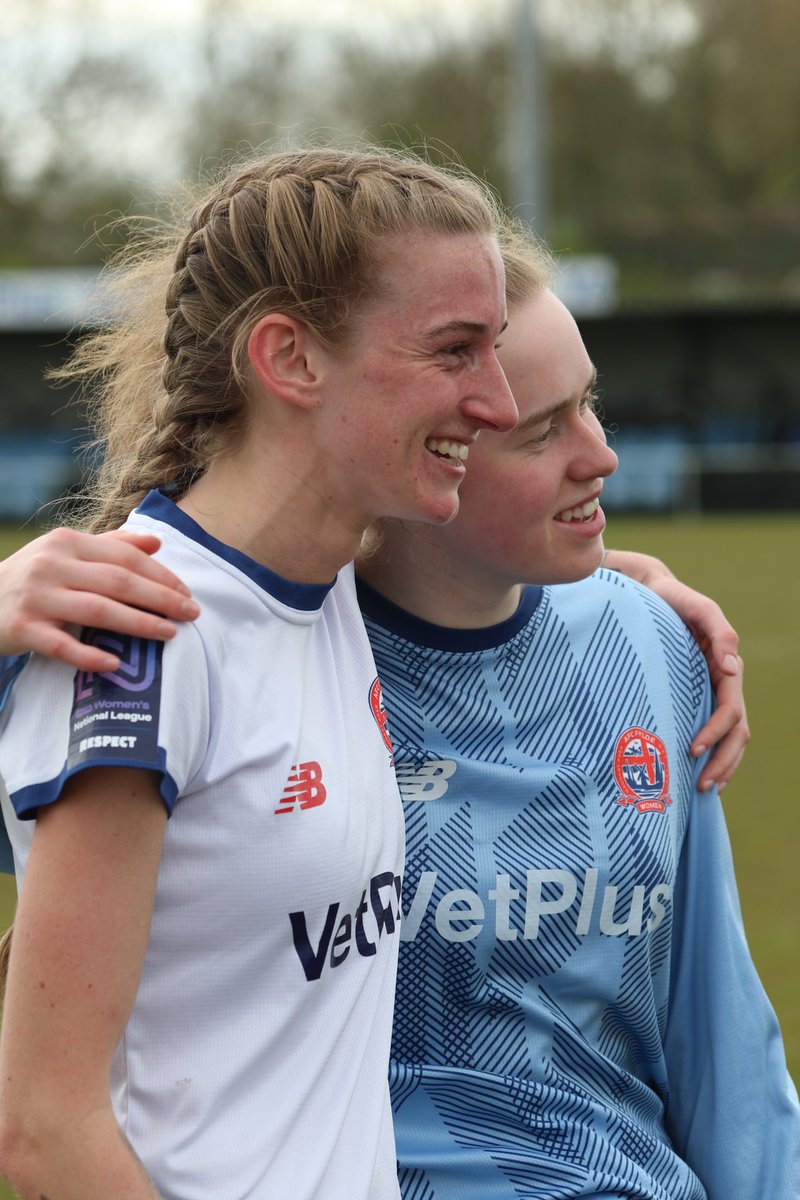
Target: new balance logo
[[304, 789], [426, 781]]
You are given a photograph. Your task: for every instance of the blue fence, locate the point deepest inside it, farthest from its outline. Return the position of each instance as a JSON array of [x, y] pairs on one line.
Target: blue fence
[[661, 470], [34, 471]]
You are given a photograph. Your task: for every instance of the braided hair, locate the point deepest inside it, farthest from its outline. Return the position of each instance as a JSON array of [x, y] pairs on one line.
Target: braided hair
[[295, 232]]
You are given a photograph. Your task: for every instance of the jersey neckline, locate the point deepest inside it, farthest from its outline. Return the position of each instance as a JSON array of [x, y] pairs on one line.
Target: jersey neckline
[[394, 619], [303, 596]]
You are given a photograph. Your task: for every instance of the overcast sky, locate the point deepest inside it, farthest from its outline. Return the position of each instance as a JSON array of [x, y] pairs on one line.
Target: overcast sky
[[40, 38], [29, 14]]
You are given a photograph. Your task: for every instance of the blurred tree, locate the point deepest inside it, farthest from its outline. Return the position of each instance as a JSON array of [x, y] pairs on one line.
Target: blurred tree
[[449, 98], [248, 85], [65, 147], [98, 126], [681, 159], [674, 123]]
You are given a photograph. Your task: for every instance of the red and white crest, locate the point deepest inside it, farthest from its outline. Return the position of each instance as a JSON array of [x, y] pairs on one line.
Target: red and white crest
[[379, 713], [641, 769]]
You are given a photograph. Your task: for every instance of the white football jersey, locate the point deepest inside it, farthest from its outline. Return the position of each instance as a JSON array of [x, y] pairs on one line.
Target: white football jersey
[[254, 1061]]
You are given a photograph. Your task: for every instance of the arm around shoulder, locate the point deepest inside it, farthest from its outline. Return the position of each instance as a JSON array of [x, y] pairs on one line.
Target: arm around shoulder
[[727, 729], [108, 580]]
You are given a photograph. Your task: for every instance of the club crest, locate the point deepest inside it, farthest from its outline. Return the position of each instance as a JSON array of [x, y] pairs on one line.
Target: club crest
[[641, 770], [379, 713]]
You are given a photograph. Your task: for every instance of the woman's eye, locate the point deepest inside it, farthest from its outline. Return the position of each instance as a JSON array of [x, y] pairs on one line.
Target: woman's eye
[[542, 438]]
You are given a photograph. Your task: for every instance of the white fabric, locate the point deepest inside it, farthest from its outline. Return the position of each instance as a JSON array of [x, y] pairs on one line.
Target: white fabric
[[246, 1070]]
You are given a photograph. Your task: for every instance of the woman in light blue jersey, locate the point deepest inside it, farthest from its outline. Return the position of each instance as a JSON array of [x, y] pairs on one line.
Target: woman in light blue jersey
[[577, 1012]]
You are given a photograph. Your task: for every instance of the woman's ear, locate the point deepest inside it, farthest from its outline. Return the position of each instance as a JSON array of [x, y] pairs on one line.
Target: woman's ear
[[283, 353]]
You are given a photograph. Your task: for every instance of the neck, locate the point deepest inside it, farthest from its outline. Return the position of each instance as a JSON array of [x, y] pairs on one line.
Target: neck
[[409, 566], [275, 514]]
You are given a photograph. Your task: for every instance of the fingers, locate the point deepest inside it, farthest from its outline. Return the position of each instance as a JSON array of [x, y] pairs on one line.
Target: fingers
[[112, 596], [148, 542], [727, 730], [67, 578], [58, 643], [64, 567], [723, 764], [723, 648], [716, 635], [103, 612], [706, 620], [133, 551], [53, 557], [46, 636]]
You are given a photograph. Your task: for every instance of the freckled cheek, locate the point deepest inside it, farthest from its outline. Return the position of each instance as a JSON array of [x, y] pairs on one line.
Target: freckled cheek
[[387, 408], [381, 378]]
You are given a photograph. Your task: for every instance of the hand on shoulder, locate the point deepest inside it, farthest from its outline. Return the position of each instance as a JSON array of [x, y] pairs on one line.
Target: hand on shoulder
[[108, 580], [727, 731]]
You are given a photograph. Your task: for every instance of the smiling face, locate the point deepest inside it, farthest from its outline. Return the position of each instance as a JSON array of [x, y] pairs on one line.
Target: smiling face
[[530, 502], [418, 377]]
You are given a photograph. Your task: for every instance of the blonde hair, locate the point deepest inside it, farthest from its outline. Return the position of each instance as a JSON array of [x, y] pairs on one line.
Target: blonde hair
[[528, 262], [295, 232], [5, 954]]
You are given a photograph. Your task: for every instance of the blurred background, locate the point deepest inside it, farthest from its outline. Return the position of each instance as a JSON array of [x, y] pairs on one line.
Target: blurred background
[[654, 143]]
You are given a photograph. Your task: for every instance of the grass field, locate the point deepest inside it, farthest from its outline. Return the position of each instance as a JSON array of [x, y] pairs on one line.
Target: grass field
[[751, 564]]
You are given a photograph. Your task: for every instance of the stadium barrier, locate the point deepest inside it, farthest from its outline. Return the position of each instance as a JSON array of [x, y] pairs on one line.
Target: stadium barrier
[[659, 474], [656, 474]]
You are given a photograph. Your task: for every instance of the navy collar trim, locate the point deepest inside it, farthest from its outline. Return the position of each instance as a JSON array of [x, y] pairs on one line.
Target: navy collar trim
[[307, 597], [391, 617]]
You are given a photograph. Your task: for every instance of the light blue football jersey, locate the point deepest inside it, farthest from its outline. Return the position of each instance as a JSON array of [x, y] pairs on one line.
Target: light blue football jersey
[[577, 1012]]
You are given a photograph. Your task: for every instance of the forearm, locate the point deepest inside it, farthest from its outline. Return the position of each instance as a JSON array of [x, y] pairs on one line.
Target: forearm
[[73, 973], [84, 1160]]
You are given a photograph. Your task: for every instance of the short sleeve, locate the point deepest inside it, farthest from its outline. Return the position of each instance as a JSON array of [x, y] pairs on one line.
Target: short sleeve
[[149, 714]]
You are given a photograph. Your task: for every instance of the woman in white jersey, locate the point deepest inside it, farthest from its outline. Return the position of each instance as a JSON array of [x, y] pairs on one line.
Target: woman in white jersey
[[209, 907]]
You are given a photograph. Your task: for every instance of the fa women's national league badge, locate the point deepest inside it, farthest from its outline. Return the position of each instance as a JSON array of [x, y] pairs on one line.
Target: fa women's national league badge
[[117, 712], [641, 770]]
